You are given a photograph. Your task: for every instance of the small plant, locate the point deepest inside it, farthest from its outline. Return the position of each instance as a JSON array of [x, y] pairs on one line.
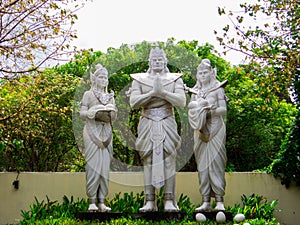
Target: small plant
[[255, 207], [53, 210], [126, 204], [186, 206]]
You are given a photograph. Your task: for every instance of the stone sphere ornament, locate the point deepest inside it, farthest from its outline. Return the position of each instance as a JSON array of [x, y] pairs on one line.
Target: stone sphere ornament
[[239, 217], [220, 217], [200, 217]]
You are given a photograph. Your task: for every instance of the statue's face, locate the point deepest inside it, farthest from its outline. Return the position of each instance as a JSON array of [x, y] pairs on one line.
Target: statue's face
[[204, 75], [101, 80], [157, 64]]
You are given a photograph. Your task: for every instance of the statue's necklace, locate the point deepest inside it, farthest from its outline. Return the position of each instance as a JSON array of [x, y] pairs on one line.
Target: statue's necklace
[[202, 94], [102, 97]]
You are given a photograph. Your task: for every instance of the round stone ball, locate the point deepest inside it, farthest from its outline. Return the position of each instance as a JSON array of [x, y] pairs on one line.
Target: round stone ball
[[240, 217], [200, 217], [246, 224], [220, 217]]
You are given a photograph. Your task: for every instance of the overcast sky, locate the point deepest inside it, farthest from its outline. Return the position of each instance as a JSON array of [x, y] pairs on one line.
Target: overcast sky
[[109, 23]]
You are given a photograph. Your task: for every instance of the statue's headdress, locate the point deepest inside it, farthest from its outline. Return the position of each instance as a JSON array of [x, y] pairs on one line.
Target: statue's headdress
[[205, 64], [157, 52], [99, 70]]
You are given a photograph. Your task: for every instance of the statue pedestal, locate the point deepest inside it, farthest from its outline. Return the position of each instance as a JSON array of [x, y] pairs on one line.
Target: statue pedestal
[[101, 216], [154, 216]]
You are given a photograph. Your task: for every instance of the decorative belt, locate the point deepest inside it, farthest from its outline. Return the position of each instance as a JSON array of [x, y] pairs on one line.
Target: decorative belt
[[157, 114]]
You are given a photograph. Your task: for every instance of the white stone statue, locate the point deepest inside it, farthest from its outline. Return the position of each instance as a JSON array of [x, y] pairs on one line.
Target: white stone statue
[[157, 92], [206, 112], [99, 110]]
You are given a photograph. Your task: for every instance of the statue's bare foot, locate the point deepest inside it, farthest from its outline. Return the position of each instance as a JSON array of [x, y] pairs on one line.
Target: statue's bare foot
[[220, 206], [205, 207], [169, 206], [148, 207], [93, 207], [103, 208]]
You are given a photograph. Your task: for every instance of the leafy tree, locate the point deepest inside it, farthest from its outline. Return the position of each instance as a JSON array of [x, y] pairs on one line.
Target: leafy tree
[[33, 32], [275, 45], [287, 164], [256, 121], [255, 125], [36, 124], [78, 66]]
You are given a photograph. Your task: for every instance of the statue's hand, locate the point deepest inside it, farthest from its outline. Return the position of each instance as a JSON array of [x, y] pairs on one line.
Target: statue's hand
[[110, 107], [93, 110], [213, 107], [202, 102], [158, 88], [91, 114]]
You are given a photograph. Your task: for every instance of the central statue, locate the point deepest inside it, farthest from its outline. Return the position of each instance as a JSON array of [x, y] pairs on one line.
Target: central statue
[[157, 92]]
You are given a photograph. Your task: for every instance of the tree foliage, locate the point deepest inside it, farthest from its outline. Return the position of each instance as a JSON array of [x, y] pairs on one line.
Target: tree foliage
[[255, 124], [275, 45], [257, 119], [287, 164], [32, 32], [36, 124], [252, 118], [275, 42]]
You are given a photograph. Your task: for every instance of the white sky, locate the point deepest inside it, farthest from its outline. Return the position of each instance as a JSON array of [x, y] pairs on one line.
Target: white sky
[[109, 23]]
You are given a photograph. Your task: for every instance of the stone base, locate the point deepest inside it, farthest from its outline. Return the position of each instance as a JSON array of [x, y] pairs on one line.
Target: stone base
[[154, 216], [101, 216]]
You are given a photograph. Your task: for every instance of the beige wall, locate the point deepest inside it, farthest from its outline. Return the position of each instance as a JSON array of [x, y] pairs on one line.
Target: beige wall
[[56, 185]]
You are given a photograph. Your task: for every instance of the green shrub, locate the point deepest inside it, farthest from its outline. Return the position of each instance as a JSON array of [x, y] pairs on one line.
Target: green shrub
[[256, 208], [53, 210], [126, 204]]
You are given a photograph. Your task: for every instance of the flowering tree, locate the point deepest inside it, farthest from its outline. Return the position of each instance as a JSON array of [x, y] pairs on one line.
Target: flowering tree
[[274, 45], [33, 32]]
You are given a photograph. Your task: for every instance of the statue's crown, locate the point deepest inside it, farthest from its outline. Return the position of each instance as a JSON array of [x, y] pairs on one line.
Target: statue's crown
[[100, 70], [205, 64], [156, 52]]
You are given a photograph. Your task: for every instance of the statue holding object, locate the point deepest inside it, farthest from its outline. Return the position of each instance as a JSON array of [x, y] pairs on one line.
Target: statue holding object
[[99, 110], [206, 111]]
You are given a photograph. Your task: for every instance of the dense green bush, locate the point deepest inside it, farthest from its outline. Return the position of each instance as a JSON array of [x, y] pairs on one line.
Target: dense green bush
[[52, 210], [256, 209], [287, 163]]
